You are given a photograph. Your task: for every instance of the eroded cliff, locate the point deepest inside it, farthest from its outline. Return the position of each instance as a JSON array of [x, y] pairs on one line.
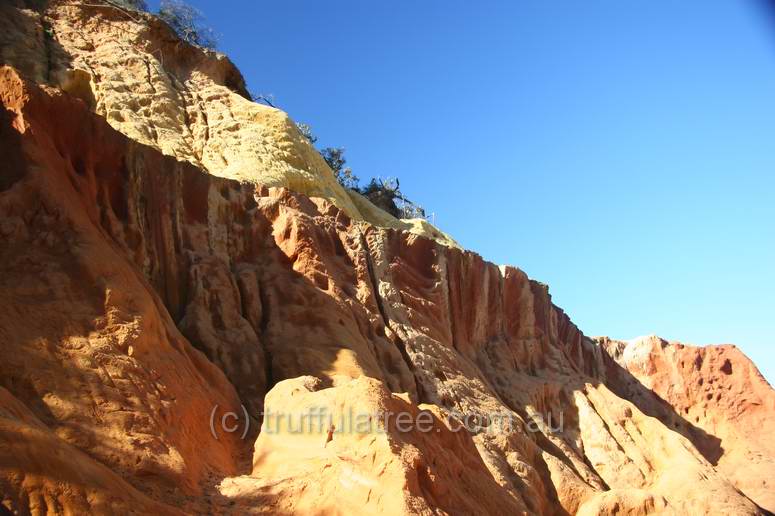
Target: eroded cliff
[[170, 251]]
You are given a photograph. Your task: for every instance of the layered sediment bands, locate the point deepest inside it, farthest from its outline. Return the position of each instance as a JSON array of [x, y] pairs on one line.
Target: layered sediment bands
[[131, 69], [139, 292]]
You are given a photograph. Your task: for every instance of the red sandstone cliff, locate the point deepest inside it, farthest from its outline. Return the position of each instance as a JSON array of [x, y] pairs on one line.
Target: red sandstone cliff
[[142, 294]]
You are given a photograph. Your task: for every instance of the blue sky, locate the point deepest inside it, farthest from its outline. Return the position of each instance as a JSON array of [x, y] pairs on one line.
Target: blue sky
[[622, 152]]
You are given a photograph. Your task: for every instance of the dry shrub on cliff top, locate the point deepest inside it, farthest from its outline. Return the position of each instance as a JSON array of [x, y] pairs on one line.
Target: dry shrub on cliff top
[[334, 156], [188, 22], [385, 194], [135, 5]]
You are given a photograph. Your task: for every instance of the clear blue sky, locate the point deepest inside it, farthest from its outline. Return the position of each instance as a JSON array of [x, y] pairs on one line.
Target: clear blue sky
[[622, 152]]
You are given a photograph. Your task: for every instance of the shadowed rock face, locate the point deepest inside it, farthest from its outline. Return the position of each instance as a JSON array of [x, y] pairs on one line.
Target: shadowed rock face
[[143, 296]]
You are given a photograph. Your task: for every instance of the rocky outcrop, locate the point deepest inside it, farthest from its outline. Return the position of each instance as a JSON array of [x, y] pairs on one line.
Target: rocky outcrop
[[352, 461], [189, 103], [715, 395], [152, 307], [87, 344]]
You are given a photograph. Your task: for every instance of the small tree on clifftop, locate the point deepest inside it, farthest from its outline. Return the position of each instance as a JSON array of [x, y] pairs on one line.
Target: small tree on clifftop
[[188, 23], [385, 194], [306, 131], [334, 156]]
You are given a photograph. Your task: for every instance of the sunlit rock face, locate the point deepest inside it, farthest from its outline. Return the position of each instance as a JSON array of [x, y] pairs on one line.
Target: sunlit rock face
[[133, 71], [714, 395], [179, 269]]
